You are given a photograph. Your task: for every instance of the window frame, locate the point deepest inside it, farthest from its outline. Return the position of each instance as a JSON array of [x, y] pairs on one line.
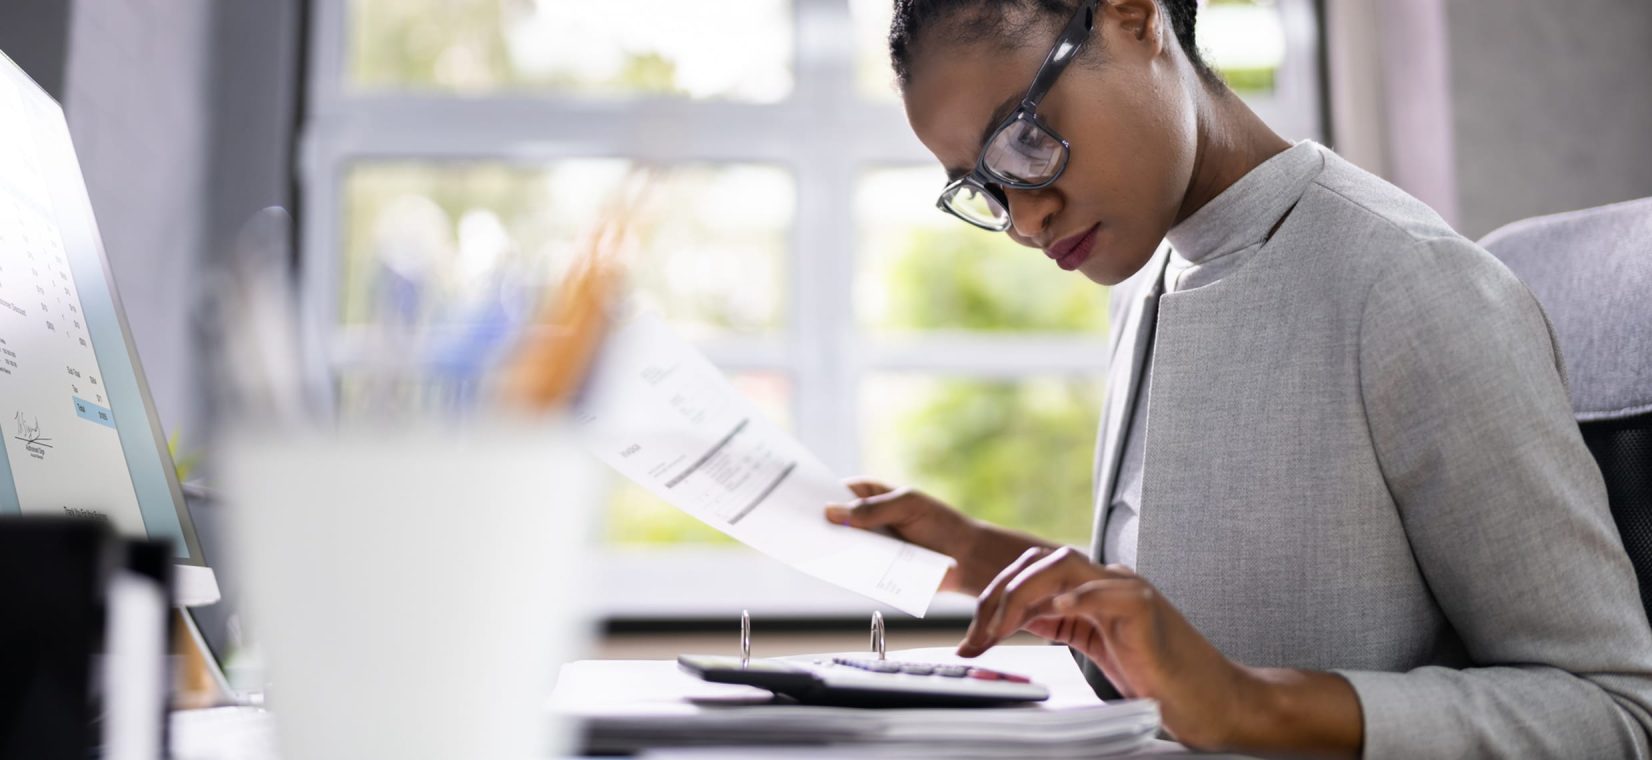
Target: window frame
[[825, 134]]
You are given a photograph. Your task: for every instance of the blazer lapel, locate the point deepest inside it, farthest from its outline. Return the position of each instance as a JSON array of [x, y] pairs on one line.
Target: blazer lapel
[[1123, 375]]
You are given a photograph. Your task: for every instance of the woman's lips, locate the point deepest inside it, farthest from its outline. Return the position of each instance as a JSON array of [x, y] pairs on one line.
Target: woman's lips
[[1071, 252]]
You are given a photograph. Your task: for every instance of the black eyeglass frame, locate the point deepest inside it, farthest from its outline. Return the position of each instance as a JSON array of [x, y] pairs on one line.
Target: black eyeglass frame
[[982, 179]]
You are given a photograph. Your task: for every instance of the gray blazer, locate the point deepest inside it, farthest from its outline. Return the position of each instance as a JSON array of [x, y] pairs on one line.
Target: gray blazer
[[1360, 458]]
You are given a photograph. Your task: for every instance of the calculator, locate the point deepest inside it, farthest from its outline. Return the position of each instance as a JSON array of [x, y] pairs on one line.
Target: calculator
[[856, 682]]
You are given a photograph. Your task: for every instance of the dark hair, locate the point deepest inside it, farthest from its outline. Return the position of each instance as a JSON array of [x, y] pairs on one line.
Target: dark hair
[[976, 21]]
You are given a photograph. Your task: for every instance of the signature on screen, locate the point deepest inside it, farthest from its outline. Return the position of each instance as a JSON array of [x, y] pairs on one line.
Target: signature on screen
[[29, 432]]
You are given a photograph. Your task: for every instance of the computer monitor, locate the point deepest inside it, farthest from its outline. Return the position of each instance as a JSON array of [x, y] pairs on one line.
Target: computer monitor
[[80, 432]]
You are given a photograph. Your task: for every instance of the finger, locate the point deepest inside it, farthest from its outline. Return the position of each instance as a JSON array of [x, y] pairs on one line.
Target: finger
[[1116, 607], [987, 602], [1109, 599], [1102, 655], [977, 639], [864, 486], [1048, 608], [990, 623], [1044, 622], [1075, 631], [861, 487], [1008, 605], [882, 510], [1078, 632], [1095, 646], [1033, 587], [1120, 570]]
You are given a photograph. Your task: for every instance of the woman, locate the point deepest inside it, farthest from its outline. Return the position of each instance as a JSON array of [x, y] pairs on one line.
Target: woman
[[1342, 506]]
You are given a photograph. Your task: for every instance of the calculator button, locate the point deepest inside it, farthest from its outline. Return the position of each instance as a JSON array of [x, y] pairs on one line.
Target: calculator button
[[984, 675], [952, 671], [918, 669]]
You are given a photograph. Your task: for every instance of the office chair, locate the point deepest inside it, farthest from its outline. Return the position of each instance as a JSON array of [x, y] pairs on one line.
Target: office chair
[[1592, 272]]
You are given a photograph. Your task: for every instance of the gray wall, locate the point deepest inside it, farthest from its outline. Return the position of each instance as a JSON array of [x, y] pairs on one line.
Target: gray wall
[[182, 113], [1552, 106], [34, 34], [254, 102], [137, 105]]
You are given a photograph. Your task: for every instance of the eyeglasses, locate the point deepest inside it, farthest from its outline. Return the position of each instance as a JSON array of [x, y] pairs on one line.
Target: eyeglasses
[[1023, 152]]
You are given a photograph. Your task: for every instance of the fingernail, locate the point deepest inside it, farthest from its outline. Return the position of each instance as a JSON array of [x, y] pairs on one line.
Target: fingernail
[[839, 515]]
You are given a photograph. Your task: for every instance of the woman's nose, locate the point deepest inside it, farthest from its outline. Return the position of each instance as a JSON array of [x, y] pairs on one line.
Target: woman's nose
[[1031, 211]]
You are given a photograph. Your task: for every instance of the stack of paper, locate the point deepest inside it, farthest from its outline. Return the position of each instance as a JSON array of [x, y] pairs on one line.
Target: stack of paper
[[628, 706], [1075, 732]]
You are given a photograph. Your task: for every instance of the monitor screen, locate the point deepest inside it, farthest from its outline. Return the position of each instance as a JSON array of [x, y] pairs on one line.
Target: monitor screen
[[81, 436]]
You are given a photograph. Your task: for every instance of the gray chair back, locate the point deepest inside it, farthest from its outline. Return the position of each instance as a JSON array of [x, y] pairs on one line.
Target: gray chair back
[[1592, 272]]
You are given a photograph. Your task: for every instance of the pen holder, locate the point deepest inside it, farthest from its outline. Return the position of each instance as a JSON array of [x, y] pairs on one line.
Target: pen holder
[[414, 590]]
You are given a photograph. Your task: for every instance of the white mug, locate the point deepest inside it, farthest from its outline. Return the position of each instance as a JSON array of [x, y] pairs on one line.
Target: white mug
[[414, 590]]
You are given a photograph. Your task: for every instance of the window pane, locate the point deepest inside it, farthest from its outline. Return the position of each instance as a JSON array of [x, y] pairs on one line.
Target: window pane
[[925, 270], [1245, 41], [442, 243], [1018, 453], [729, 49], [637, 517]]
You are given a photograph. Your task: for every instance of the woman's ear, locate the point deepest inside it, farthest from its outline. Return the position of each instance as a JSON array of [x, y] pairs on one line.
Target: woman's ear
[[1140, 23]]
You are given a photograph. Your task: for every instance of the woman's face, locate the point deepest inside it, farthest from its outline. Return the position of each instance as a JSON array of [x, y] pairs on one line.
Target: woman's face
[[1130, 121]]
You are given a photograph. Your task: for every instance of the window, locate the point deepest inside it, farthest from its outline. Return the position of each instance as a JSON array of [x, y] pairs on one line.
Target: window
[[454, 148], [731, 49]]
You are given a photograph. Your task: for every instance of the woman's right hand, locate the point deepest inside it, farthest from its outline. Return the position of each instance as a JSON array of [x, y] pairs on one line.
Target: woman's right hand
[[980, 549]]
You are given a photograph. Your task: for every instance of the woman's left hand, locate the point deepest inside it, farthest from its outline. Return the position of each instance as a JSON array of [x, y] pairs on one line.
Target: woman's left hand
[[1144, 646]]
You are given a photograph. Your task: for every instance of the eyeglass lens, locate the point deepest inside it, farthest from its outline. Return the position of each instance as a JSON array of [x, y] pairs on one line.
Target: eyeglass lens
[[1024, 152], [977, 206]]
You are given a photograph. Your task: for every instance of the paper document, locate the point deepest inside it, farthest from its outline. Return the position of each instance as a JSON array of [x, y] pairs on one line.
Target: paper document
[[661, 414], [633, 706]]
